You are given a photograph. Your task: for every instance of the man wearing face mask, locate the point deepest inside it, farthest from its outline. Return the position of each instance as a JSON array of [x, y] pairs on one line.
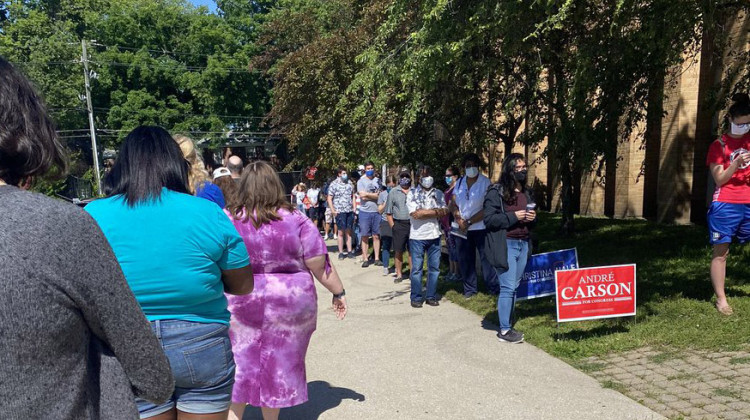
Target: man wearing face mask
[[397, 214], [341, 203], [368, 188], [467, 209], [426, 206]]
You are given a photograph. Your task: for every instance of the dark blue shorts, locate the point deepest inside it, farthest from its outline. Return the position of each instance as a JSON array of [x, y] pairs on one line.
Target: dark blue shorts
[[345, 221], [726, 220], [369, 223]]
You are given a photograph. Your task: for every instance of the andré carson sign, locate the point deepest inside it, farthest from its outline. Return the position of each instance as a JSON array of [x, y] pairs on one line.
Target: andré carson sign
[[595, 292]]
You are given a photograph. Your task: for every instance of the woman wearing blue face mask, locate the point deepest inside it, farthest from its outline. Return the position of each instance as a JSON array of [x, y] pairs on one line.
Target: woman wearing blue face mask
[[451, 176], [729, 214], [386, 233]]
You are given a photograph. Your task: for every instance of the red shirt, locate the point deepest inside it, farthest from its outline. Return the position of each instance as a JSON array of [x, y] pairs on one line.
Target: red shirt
[[737, 189], [520, 230]]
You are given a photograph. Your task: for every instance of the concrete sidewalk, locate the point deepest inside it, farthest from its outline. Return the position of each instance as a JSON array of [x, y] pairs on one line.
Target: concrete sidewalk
[[387, 360]]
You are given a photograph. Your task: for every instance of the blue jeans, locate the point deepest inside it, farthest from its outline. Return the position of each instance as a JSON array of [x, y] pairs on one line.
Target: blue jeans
[[385, 250], [518, 253], [202, 363], [467, 251], [418, 249]]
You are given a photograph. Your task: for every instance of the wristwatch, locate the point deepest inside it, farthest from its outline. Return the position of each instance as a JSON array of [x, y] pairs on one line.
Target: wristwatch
[[469, 222], [340, 295]]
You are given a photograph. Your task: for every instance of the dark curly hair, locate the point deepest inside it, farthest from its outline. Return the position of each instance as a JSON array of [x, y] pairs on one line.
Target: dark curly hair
[[741, 105], [508, 179], [29, 145]]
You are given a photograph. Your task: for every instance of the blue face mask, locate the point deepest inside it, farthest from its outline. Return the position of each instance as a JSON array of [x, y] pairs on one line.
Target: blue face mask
[[344, 177], [449, 180], [370, 173], [388, 188]]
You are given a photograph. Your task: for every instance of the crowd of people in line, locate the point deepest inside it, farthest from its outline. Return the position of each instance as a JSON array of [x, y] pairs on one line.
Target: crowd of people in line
[[184, 294]]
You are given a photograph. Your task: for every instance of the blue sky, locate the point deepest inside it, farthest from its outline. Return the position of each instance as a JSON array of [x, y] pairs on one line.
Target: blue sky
[[211, 4]]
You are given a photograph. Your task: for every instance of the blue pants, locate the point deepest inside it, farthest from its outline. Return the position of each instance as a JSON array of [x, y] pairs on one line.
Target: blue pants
[[385, 250], [418, 249], [467, 251], [518, 253]]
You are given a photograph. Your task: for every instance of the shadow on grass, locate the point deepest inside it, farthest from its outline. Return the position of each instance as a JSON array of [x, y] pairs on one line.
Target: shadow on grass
[[600, 331]]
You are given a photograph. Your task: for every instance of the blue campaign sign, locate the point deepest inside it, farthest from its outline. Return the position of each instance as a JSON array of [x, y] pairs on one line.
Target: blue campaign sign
[[539, 277]]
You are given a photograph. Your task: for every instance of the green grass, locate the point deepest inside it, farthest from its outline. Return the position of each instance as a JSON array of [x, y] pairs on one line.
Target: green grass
[[674, 294], [739, 361]]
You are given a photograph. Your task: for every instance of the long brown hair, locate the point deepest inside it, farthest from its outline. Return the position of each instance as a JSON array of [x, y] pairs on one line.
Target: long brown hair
[[261, 195], [228, 187]]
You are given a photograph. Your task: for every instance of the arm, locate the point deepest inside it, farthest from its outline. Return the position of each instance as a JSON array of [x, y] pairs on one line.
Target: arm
[[368, 196], [238, 281], [722, 176], [330, 205], [494, 216], [330, 280]]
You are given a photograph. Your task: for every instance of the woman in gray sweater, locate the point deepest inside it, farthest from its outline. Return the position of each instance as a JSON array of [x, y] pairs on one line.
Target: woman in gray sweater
[[74, 343]]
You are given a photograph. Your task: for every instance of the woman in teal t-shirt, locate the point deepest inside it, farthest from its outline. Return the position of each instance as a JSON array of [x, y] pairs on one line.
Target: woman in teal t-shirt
[[179, 254]]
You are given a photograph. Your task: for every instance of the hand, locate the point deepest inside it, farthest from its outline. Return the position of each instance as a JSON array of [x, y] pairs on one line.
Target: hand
[[339, 307], [462, 225], [744, 159], [530, 216], [333, 213], [521, 215]]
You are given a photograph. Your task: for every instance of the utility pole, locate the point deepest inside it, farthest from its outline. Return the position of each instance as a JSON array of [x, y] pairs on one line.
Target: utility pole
[[94, 151]]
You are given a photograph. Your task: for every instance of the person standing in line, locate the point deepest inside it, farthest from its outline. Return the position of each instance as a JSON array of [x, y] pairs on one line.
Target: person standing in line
[[426, 206], [509, 216], [179, 254], [468, 198], [729, 215], [397, 213], [451, 176], [341, 203], [330, 227], [299, 192], [198, 178], [313, 194], [368, 188], [234, 164], [386, 233], [75, 343], [271, 328], [223, 179]]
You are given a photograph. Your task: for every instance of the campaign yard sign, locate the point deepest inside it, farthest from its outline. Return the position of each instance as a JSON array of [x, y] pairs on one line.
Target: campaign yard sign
[[539, 276], [595, 292]]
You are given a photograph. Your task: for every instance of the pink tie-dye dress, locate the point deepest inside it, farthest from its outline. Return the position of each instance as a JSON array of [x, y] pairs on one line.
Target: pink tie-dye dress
[[270, 328]]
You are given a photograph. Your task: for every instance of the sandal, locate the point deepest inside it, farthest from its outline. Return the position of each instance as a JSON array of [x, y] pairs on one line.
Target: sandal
[[725, 310]]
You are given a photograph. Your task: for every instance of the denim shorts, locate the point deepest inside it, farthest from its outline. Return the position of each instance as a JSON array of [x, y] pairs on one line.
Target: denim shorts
[[202, 363], [369, 223], [345, 221]]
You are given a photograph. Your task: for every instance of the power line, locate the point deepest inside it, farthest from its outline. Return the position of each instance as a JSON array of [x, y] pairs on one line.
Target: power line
[[175, 66], [150, 50]]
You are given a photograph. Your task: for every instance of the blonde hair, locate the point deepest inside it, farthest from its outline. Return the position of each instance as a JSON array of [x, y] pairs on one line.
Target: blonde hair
[[197, 174], [261, 195]]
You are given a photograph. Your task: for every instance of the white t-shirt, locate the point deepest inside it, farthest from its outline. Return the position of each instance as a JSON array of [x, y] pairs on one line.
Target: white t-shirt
[[419, 199], [300, 197], [313, 194], [470, 201]]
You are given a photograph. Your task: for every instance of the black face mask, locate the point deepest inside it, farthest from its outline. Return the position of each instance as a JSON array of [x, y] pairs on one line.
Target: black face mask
[[404, 182], [520, 176]]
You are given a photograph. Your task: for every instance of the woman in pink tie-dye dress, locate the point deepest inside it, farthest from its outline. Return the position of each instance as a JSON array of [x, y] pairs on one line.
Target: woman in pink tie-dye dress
[[270, 328]]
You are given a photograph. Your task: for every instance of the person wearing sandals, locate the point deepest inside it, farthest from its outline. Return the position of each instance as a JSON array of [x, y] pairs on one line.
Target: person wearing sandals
[[508, 218], [729, 214], [454, 274]]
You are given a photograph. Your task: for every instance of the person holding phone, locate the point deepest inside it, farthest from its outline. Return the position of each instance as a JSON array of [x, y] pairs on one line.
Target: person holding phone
[[509, 216]]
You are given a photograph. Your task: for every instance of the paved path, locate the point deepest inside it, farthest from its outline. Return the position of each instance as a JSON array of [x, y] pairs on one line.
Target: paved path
[[388, 360]]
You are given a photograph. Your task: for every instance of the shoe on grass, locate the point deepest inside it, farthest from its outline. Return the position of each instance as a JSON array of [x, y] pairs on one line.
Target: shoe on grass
[[432, 302], [416, 304], [511, 336]]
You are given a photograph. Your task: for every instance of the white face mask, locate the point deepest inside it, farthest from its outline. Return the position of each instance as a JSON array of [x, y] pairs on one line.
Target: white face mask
[[740, 129], [472, 171], [427, 182]]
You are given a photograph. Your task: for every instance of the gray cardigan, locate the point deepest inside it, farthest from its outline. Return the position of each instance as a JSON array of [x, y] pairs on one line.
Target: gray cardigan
[[74, 343]]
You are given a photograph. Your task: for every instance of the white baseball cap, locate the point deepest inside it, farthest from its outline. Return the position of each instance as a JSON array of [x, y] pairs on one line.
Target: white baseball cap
[[220, 172]]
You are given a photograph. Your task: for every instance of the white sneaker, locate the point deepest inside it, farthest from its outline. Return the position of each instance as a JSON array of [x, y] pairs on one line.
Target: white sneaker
[[335, 236]]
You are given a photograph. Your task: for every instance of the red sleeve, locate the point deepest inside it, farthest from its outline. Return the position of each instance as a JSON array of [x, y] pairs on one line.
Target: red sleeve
[[716, 154]]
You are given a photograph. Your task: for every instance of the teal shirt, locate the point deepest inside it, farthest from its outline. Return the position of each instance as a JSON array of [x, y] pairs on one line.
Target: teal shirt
[[172, 252]]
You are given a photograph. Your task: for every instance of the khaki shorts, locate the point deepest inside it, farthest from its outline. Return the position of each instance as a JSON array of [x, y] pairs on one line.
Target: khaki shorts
[[329, 216]]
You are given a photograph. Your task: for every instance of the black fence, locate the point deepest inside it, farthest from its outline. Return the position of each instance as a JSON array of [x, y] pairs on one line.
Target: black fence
[[290, 179]]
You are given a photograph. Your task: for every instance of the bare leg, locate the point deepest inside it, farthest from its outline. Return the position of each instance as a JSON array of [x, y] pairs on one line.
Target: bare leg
[[376, 246], [340, 240], [181, 415], [169, 415], [236, 410], [718, 275], [365, 244], [326, 228], [270, 413], [348, 234], [398, 262]]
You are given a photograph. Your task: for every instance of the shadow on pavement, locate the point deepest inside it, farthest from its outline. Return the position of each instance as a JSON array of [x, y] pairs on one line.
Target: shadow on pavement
[[390, 295], [322, 397]]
